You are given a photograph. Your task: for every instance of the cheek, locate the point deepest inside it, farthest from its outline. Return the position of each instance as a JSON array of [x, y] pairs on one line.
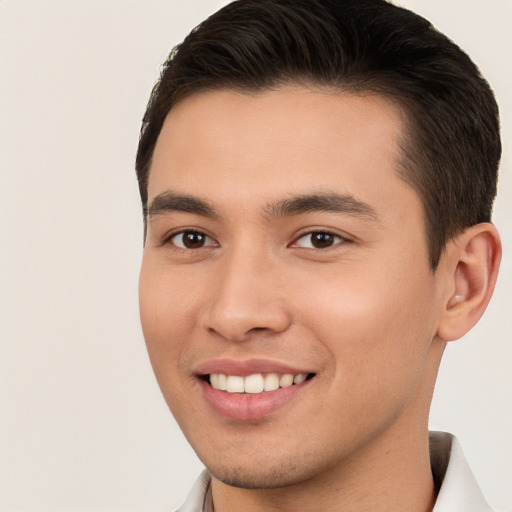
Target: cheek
[[376, 327], [164, 304], [165, 311]]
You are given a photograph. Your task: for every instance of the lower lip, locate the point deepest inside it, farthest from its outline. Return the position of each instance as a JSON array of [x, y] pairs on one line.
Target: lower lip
[[247, 406]]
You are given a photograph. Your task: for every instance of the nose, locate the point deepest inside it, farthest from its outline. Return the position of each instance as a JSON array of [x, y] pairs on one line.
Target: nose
[[248, 299]]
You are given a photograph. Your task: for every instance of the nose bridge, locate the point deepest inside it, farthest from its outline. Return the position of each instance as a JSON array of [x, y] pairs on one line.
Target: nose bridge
[[248, 296]]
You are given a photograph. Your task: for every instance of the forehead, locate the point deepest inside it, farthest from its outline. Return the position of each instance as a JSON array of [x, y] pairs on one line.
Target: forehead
[[227, 144]]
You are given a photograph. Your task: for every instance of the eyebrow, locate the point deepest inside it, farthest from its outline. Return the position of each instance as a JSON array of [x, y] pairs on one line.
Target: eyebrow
[[170, 202], [322, 202]]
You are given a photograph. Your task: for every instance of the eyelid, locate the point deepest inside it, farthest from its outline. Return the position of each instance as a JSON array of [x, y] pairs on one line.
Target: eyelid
[[310, 231], [168, 237]]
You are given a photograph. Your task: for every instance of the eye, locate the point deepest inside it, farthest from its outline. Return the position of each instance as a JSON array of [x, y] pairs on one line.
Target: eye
[[191, 240], [318, 240]]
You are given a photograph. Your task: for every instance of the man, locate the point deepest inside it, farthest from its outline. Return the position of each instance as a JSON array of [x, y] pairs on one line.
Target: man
[[317, 178]]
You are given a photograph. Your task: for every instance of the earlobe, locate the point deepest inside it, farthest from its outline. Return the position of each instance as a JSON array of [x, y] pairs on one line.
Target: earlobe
[[471, 266]]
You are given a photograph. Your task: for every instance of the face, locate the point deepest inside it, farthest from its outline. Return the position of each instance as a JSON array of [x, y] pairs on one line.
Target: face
[[283, 246]]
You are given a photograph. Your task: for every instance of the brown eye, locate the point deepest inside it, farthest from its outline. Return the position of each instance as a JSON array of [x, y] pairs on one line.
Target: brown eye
[[318, 240], [191, 240]]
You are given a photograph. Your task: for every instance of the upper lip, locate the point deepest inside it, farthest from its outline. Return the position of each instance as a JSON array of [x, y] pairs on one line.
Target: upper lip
[[246, 367]]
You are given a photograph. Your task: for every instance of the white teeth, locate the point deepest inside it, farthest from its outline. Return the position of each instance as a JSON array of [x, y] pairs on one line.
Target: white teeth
[[255, 383], [271, 382], [222, 382], [299, 378], [286, 380], [235, 384]]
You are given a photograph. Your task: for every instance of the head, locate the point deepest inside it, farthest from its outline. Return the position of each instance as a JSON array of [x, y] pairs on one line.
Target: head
[[451, 145], [317, 180]]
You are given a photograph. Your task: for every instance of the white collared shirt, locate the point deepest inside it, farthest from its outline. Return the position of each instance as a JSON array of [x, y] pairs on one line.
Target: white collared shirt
[[458, 489]]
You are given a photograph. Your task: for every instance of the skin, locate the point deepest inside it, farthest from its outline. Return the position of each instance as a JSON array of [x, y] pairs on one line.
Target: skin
[[365, 314]]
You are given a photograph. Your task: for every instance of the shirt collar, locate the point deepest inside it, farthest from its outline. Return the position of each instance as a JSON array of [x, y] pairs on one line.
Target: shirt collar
[[199, 498], [458, 489]]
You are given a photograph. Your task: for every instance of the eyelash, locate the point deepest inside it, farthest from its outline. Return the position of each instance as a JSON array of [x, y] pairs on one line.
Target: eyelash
[[337, 239], [323, 233], [194, 232]]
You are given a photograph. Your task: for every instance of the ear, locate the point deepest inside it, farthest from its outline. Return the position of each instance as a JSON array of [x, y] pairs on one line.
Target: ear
[[470, 266]]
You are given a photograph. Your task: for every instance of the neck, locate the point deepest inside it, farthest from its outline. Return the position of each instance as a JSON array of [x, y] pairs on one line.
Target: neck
[[391, 473]]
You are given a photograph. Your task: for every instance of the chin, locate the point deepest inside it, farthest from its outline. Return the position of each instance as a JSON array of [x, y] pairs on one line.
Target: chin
[[268, 475], [256, 479]]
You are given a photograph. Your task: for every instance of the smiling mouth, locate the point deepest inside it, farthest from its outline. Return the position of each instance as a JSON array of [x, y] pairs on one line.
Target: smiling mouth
[[255, 383]]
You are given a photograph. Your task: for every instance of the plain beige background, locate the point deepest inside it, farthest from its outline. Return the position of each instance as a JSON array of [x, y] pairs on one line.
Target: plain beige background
[[82, 424]]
